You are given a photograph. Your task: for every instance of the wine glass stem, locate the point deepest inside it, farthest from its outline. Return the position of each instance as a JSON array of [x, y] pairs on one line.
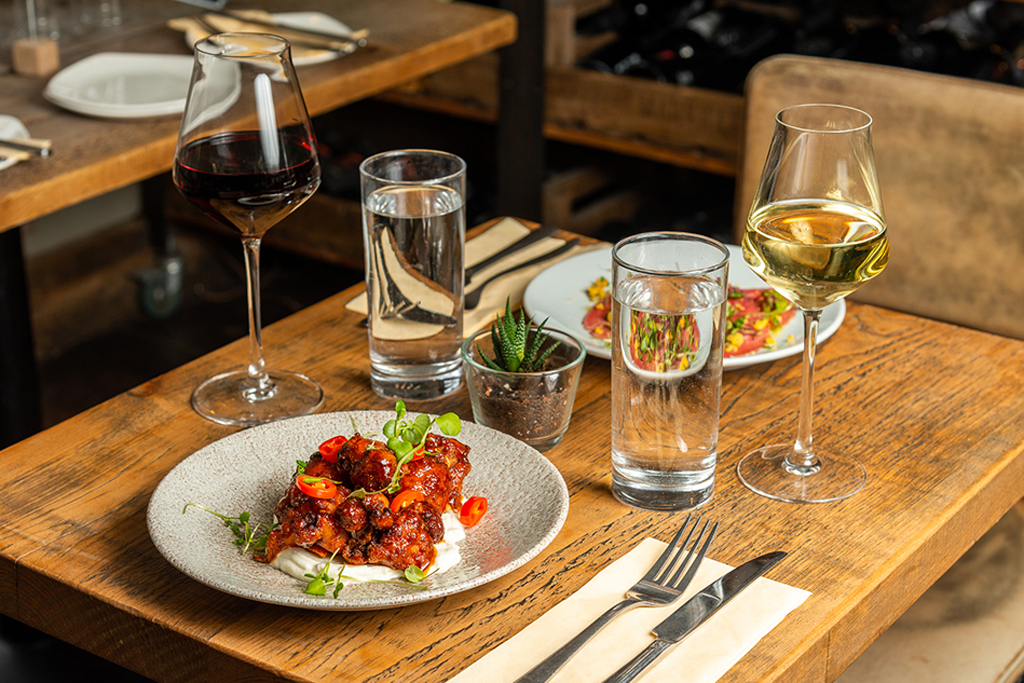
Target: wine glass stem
[[260, 384], [803, 461]]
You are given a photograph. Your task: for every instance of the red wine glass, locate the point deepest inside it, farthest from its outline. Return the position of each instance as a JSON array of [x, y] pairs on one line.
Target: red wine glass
[[246, 156]]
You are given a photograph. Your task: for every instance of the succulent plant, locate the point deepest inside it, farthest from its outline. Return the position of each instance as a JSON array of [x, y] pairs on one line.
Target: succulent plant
[[508, 337]]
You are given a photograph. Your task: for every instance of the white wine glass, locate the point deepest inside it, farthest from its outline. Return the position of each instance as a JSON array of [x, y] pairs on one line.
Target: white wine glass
[[246, 156], [816, 232]]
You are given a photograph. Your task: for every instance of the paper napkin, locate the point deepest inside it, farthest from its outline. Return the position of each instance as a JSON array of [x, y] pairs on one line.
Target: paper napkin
[[12, 128], [195, 29], [705, 655], [491, 241]]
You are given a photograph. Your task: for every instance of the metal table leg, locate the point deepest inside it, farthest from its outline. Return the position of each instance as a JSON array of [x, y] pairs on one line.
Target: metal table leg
[[20, 412], [521, 158]]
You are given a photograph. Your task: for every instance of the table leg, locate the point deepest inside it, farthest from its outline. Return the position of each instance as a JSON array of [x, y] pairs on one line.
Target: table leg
[[20, 413], [521, 157], [161, 292]]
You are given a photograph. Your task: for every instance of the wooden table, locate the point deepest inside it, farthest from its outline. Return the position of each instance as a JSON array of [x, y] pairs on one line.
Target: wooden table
[[932, 410], [408, 39]]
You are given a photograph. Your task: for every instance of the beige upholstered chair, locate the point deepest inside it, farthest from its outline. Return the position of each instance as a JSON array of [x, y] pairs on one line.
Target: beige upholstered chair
[[950, 158]]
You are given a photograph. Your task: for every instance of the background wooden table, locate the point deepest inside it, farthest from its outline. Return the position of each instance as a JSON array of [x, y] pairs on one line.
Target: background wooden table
[[92, 156], [931, 409]]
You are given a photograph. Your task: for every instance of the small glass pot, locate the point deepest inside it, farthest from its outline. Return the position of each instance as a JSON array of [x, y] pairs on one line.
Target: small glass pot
[[534, 407]]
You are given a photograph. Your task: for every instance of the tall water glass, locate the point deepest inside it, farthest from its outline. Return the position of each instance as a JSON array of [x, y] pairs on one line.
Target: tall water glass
[[668, 322], [414, 232]]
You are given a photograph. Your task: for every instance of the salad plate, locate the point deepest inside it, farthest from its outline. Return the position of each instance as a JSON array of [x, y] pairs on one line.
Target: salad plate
[[249, 471], [559, 294]]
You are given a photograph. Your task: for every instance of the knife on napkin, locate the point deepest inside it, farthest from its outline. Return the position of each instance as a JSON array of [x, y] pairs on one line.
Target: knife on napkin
[[534, 236], [696, 611]]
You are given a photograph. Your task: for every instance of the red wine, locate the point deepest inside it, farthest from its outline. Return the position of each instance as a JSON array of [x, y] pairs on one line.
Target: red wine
[[227, 177]]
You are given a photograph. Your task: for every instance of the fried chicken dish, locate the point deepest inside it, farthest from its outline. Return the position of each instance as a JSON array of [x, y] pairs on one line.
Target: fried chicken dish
[[369, 510]]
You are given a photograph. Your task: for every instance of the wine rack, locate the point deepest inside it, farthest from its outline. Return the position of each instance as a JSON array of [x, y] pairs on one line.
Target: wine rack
[[685, 126]]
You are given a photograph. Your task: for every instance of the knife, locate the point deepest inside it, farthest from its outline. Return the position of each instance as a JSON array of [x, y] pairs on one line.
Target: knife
[[534, 236], [694, 612], [472, 299]]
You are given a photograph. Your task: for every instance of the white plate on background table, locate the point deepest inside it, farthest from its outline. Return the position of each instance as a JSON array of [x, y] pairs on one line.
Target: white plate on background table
[[123, 85], [13, 129], [250, 471], [559, 294]]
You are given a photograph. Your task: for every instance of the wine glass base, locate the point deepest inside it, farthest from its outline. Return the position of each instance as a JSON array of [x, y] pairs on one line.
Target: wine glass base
[[232, 398], [768, 472]]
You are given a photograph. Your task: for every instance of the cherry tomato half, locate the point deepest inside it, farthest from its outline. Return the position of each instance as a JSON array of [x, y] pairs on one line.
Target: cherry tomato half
[[472, 510], [405, 499], [329, 449], [316, 487]]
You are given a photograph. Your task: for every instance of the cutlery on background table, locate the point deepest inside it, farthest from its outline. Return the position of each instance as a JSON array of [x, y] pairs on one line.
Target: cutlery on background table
[[295, 37], [262, 18], [534, 236], [694, 612], [31, 145], [473, 298], [659, 586]]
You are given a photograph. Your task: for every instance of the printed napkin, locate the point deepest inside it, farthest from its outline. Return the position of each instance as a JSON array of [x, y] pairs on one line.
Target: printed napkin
[[491, 241], [705, 655]]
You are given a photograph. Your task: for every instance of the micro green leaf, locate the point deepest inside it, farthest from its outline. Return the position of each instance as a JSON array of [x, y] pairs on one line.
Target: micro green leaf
[[449, 424]]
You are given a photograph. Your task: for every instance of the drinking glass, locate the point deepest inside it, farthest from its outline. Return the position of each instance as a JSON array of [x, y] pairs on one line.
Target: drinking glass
[[668, 321], [816, 232], [414, 232], [246, 156]]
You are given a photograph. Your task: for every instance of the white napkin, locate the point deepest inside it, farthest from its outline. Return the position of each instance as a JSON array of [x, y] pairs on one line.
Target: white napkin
[[195, 31], [705, 655], [491, 241], [13, 129]]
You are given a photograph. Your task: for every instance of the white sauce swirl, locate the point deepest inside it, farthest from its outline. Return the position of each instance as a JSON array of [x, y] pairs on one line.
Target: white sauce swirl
[[298, 562]]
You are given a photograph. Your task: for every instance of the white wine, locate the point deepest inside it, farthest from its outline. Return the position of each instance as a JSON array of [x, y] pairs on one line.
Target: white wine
[[815, 252]]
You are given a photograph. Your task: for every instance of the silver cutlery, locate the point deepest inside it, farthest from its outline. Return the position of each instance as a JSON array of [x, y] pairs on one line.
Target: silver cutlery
[[30, 145], [694, 612], [354, 38], [659, 586], [473, 298], [534, 236], [340, 45]]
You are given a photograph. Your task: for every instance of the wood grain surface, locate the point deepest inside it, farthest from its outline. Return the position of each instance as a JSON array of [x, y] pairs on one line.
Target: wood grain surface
[[932, 410], [408, 39]]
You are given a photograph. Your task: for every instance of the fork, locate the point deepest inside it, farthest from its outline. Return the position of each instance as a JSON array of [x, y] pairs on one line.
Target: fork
[[659, 586]]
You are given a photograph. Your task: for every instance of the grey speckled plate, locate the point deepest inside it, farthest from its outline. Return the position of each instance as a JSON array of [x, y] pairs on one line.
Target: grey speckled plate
[[249, 470]]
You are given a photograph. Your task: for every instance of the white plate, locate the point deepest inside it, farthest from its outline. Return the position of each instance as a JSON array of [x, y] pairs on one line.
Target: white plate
[[249, 471], [559, 294], [123, 85], [13, 129]]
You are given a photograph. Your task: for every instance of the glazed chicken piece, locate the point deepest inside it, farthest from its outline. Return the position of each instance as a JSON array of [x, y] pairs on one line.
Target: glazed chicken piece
[[365, 529]]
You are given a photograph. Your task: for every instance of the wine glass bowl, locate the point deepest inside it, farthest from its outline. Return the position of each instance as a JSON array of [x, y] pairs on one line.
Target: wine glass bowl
[[816, 232], [246, 156]]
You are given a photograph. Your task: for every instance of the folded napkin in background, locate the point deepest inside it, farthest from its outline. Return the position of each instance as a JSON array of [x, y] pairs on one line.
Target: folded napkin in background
[[493, 240], [705, 655], [197, 28], [12, 129]]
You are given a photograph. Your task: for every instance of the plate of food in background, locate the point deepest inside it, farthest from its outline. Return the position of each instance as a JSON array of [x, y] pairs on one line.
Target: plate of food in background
[[574, 295]]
